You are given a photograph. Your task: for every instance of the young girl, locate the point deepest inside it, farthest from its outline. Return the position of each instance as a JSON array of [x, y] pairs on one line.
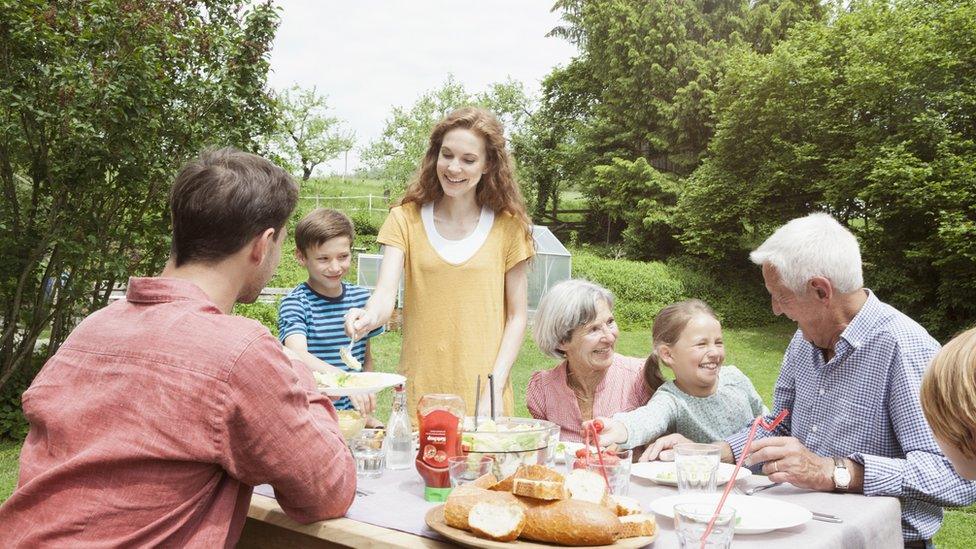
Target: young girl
[[460, 238], [706, 401]]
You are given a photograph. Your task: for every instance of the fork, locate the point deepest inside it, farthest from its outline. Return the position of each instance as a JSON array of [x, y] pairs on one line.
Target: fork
[[757, 489]]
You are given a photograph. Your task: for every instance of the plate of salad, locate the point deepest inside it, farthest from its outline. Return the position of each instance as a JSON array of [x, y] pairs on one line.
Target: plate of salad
[[355, 383]]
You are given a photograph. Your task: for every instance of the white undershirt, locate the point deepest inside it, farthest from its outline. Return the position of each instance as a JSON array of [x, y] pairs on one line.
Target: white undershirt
[[457, 251]]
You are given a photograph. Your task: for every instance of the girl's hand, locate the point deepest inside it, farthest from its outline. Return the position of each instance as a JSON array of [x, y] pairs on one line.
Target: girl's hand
[[608, 430], [358, 323], [661, 448]]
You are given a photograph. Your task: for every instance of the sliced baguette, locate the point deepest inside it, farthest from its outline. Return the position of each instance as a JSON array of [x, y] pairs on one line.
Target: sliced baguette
[[626, 506], [530, 472], [463, 498], [486, 480], [588, 486], [539, 489], [497, 521], [632, 526], [569, 522]]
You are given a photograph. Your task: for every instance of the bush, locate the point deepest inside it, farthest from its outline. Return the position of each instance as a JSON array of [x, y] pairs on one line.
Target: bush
[[642, 289], [364, 223], [13, 424], [265, 313]]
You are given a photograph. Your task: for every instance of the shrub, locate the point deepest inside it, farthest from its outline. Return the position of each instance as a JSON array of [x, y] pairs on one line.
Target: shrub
[[13, 424], [644, 288], [265, 313]]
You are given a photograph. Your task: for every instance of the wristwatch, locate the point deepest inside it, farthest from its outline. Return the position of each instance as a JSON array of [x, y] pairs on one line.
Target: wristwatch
[[842, 476]]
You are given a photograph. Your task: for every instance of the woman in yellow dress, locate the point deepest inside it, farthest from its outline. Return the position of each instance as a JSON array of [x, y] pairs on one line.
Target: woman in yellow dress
[[461, 239]]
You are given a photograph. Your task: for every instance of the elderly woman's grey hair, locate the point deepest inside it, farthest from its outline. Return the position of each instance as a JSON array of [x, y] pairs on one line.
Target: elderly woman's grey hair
[[565, 307], [811, 246]]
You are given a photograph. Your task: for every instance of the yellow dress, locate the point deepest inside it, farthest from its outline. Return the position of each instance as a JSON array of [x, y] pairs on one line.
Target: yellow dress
[[453, 314]]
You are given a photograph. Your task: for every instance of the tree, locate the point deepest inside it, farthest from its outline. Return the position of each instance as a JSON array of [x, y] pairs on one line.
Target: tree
[[870, 116], [100, 103], [305, 136], [644, 85], [398, 152]]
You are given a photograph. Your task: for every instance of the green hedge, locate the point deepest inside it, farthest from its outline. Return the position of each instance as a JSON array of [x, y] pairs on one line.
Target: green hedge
[[644, 288]]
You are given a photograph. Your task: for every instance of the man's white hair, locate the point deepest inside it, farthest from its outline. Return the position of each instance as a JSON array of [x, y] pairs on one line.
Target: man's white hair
[[815, 245]]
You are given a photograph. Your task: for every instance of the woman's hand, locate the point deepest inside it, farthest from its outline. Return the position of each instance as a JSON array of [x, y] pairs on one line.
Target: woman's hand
[[662, 448], [365, 404], [608, 430], [359, 322]]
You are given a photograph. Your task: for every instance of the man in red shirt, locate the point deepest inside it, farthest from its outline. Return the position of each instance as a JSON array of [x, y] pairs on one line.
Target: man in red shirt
[[155, 418]]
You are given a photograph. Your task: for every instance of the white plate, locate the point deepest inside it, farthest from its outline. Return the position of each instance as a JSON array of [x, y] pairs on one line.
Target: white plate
[[377, 382], [564, 447], [755, 514], [663, 472]]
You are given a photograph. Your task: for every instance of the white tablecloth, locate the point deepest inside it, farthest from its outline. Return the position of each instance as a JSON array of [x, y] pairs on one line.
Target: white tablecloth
[[397, 502]]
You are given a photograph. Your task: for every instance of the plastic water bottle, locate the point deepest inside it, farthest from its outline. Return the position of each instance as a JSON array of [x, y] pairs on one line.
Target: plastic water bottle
[[399, 435]]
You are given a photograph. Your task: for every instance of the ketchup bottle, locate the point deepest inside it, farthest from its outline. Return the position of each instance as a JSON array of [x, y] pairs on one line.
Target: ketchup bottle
[[439, 417]]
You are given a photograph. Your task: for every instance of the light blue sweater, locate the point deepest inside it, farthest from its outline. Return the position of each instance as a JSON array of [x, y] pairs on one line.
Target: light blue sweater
[[702, 419]]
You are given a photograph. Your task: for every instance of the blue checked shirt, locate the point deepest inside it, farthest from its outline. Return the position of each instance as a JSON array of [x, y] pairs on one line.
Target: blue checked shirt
[[864, 405]]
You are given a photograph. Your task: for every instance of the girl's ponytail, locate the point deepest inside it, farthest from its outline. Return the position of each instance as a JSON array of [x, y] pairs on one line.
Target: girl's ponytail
[[652, 371]]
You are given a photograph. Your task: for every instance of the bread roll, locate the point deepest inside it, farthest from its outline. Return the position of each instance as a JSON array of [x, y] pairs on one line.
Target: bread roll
[[463, 498], [539, 489], [632, 526], [497, 521], [569, 522]]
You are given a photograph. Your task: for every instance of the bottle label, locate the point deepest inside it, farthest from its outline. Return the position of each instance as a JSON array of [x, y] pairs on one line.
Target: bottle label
[[438, 438]]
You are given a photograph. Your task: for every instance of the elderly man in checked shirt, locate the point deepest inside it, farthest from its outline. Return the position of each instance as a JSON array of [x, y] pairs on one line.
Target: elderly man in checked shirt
[[850, 378]]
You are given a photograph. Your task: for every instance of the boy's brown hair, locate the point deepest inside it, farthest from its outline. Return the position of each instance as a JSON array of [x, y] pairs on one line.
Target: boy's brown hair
[[949, 393], [320, 225], [222, 200]]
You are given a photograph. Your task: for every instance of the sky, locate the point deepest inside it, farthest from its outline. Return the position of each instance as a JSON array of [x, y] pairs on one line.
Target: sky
[[368, 56]]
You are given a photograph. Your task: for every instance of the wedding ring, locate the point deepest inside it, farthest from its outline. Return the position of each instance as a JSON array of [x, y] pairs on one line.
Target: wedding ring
[[775, 466]]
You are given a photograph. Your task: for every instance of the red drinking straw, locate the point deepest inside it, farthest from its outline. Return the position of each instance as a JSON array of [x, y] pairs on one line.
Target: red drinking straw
[[591, 428], [759, 422]]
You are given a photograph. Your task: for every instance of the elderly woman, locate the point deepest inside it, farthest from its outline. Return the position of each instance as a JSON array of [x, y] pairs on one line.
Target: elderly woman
[[574, 322]]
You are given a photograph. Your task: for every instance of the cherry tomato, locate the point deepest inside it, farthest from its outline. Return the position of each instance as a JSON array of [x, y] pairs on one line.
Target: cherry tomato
[[581, 452]]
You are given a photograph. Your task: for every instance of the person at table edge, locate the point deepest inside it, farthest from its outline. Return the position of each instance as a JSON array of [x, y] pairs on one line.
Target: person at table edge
[[850, 378], [152, 422]]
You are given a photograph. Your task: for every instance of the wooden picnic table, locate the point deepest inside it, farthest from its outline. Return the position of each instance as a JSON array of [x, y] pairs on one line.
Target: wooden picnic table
[[391, 515]]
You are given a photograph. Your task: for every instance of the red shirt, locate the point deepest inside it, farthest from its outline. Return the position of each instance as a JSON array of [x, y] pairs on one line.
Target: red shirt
[[550, 397], [152, 422]]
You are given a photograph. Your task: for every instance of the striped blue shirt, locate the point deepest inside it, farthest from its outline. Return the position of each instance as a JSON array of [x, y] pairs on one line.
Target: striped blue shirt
[[321, 320], [864, 405]]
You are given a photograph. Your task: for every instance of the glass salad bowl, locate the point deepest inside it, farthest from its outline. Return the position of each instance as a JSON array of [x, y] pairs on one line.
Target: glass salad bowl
[[511, 441]]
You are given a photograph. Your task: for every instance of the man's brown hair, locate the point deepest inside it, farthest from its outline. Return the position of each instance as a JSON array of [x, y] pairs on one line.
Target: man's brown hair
[[320, 225], [223, 199]]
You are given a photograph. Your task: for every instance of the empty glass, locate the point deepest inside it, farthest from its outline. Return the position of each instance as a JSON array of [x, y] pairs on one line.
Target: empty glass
[[691, 520], [465, 469], [367, 448], [697, 467]]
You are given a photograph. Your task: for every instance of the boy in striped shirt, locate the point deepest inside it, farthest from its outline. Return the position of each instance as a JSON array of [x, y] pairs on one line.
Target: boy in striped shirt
[[311, 317]]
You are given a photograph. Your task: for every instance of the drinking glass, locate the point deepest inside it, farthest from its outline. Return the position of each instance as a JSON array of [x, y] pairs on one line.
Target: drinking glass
[[697, 467], [691, 520], [367, 448], [465, 469], [616, 465]]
